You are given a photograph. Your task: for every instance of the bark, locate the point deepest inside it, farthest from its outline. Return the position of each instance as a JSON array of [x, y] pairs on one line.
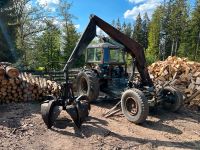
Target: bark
[[172, 49], [197, 48], [176, 46]]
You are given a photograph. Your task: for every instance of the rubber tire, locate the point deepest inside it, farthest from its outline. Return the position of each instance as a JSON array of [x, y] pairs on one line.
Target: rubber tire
[[178, 103], [142, 102], [92, 82]]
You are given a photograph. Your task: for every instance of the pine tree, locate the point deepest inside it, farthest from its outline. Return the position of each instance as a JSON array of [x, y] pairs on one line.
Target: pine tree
[[183, 23], [124, 27], [145, 27], [154, 35], [113, 23], [178, 19], [47, 49], [118, 25], [128, 31], [195, 31], [138, 34], [165, 41], [70, 39]]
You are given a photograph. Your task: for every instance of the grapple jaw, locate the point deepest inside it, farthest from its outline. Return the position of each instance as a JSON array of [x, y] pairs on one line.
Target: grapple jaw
[[50, 111], [73, 112], [78, 110]]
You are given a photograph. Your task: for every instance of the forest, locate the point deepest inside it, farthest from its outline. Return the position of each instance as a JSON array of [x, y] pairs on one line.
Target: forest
[[36, 38]]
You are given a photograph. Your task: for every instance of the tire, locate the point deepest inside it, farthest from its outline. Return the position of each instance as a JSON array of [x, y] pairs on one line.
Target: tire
[[139, 101], [171, 99], [88, 84]]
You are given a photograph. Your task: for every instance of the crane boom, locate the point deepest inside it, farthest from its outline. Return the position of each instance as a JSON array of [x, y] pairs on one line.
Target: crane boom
[[131, 46]]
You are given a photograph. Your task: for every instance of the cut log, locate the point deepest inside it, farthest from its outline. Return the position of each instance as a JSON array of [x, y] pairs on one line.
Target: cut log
[[2, 73], [181, 73], [12, 72], [24, 87]]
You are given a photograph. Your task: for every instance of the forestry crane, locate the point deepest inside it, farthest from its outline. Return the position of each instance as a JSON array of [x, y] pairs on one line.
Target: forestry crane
[[104, 64]]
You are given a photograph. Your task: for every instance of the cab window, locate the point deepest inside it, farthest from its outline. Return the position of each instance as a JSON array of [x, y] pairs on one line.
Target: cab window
[[93, 54], [116, 55]]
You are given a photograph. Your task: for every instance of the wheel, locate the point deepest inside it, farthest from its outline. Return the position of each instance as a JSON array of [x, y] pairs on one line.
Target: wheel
[[171, 99], [134, 106], [88, 84]]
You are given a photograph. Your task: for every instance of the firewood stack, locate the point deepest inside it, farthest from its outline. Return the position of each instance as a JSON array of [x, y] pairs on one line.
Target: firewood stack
[[181, 73], [16, 87]]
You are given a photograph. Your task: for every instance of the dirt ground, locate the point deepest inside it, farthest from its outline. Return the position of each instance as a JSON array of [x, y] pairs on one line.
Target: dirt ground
[[21, 127]]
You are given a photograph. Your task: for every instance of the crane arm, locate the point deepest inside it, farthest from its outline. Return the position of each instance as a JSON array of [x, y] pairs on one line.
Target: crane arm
[[131, 46]]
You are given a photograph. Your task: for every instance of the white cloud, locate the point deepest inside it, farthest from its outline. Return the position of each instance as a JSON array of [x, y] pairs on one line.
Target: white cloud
[[100, 32], [147, 6], [28, 6], [58, 23], [136, 1], [47, 2], [77, 26]]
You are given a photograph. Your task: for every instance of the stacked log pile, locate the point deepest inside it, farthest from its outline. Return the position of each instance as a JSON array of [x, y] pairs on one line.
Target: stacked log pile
[[16, 87], [181, 73]]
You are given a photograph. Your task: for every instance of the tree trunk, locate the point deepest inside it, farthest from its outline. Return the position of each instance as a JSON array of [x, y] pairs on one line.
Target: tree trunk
[[2, 72], [12, 72], [172, 49], [176, 45], [197, 48]]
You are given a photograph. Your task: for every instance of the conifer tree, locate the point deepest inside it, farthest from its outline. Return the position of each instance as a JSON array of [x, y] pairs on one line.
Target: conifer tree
[[195, 32], [124, 27], [118, 25], [145, 26], [138, 32], [154, 35]]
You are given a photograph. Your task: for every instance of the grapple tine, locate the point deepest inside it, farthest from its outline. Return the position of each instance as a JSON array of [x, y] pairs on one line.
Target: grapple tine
[[49, 112], [73, 112], [83, 107]]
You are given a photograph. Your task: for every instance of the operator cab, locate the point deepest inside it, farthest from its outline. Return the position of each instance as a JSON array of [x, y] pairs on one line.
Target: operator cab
[[106, 59], [104, 53]]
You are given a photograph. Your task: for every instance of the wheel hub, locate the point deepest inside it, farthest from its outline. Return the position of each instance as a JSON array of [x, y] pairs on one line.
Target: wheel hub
[[131, 106], [169, 97]]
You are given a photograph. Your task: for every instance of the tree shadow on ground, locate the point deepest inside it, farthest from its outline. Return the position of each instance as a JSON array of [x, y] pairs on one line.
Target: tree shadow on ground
[[162, 117], [95, 126], [182, 114], [12, 114], [185, 144], [159, 126]]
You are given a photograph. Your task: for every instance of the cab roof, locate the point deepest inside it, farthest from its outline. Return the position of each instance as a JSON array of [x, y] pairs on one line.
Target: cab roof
[[103, 45]]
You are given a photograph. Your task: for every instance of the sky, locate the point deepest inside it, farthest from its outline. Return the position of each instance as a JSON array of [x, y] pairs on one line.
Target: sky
[[108, 10]]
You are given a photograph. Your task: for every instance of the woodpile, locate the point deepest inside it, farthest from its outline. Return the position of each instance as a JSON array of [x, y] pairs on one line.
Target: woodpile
[[16, 87], [180, 73]]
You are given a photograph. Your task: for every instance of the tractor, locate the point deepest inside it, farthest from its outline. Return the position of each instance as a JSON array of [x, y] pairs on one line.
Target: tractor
[[105, 71]]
